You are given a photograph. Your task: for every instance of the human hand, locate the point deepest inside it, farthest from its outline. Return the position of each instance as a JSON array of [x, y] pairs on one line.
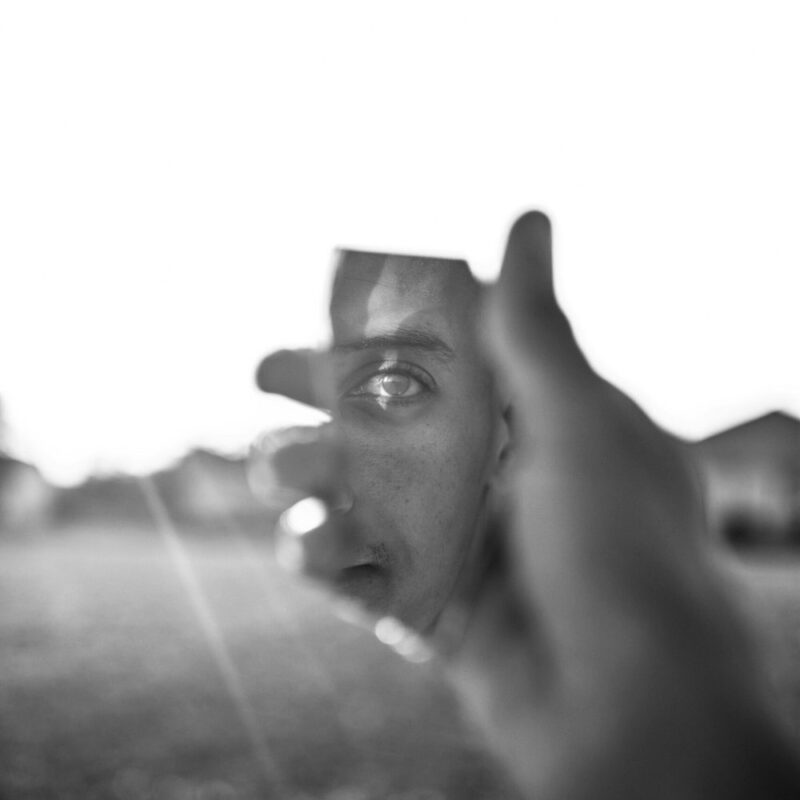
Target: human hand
[[597, 650], [605, 660]]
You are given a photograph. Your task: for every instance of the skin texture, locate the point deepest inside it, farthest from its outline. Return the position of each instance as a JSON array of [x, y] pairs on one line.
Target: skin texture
[[598, 652], [417, 428]]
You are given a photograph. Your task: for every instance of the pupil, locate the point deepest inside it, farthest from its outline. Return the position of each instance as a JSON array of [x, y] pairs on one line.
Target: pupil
[[395, 384]]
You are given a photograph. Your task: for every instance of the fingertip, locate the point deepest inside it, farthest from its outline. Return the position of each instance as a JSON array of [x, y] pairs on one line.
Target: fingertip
[[531, 221], [271, 367], [524, 292], [527, 273], [528, 331], [289, 373], [532, 234]]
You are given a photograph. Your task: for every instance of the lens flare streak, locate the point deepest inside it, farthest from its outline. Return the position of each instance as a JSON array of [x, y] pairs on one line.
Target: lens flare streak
[[270, 770]]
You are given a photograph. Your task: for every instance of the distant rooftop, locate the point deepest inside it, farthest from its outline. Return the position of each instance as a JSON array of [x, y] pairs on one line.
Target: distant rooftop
[[772, 423]]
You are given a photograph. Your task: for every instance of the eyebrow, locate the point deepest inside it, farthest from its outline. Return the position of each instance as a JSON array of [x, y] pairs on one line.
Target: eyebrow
[[409, 338]]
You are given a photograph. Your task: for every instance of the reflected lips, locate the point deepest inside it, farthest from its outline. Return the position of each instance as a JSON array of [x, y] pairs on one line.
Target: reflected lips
[[364, 582]]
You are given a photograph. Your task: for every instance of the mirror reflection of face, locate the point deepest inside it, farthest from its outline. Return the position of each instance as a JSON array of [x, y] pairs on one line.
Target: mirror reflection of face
[[420, 425]]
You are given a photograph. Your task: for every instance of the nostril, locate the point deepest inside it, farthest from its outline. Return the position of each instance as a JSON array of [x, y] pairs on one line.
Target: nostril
[[342, 501]]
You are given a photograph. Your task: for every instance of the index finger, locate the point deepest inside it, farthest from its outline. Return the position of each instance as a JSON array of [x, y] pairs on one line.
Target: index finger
[[302, 375], [530, 336]]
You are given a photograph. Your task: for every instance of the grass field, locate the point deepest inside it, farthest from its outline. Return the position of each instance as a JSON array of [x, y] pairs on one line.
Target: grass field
[[131, 671], [128, 673]]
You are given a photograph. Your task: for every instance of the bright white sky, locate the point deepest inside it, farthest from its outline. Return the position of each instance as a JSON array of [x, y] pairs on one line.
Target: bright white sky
[[175, 175]]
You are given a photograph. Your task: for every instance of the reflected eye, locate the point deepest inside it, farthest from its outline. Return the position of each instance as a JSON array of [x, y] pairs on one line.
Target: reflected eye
[[394, 384], [391, 385]]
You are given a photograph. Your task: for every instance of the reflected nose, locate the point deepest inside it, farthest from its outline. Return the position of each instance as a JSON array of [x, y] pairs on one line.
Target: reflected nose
[[343, 501]]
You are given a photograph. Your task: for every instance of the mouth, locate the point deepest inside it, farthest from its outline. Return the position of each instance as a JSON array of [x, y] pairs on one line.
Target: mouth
[[366, 583]]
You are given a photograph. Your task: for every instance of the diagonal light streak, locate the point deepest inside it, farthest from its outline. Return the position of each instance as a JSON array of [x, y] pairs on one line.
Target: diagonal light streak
[[268, 766], [281, 611]]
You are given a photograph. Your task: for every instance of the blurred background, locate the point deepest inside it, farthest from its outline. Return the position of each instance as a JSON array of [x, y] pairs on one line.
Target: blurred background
[[174, 178]]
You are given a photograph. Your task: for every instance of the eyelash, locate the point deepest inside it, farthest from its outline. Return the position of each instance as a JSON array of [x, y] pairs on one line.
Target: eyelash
[[417, 374]]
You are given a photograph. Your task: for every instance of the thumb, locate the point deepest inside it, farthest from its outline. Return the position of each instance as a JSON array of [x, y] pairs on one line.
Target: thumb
[[529, 334]]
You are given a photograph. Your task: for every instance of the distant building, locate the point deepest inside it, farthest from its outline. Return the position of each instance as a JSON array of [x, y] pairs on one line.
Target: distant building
[[208, 488], [26, 498], [752, 479], [110, 500], [203, 492]]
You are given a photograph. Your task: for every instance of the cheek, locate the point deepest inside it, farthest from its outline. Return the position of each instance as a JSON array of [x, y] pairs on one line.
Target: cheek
[[425, 480]]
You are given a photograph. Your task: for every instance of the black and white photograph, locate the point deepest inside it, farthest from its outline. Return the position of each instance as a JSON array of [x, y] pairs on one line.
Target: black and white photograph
[[399, 401]]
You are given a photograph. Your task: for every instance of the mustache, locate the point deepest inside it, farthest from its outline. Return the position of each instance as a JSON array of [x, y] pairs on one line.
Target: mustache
[[380, 554]]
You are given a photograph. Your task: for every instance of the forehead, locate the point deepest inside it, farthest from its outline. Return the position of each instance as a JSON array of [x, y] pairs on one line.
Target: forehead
[[377, 293]]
